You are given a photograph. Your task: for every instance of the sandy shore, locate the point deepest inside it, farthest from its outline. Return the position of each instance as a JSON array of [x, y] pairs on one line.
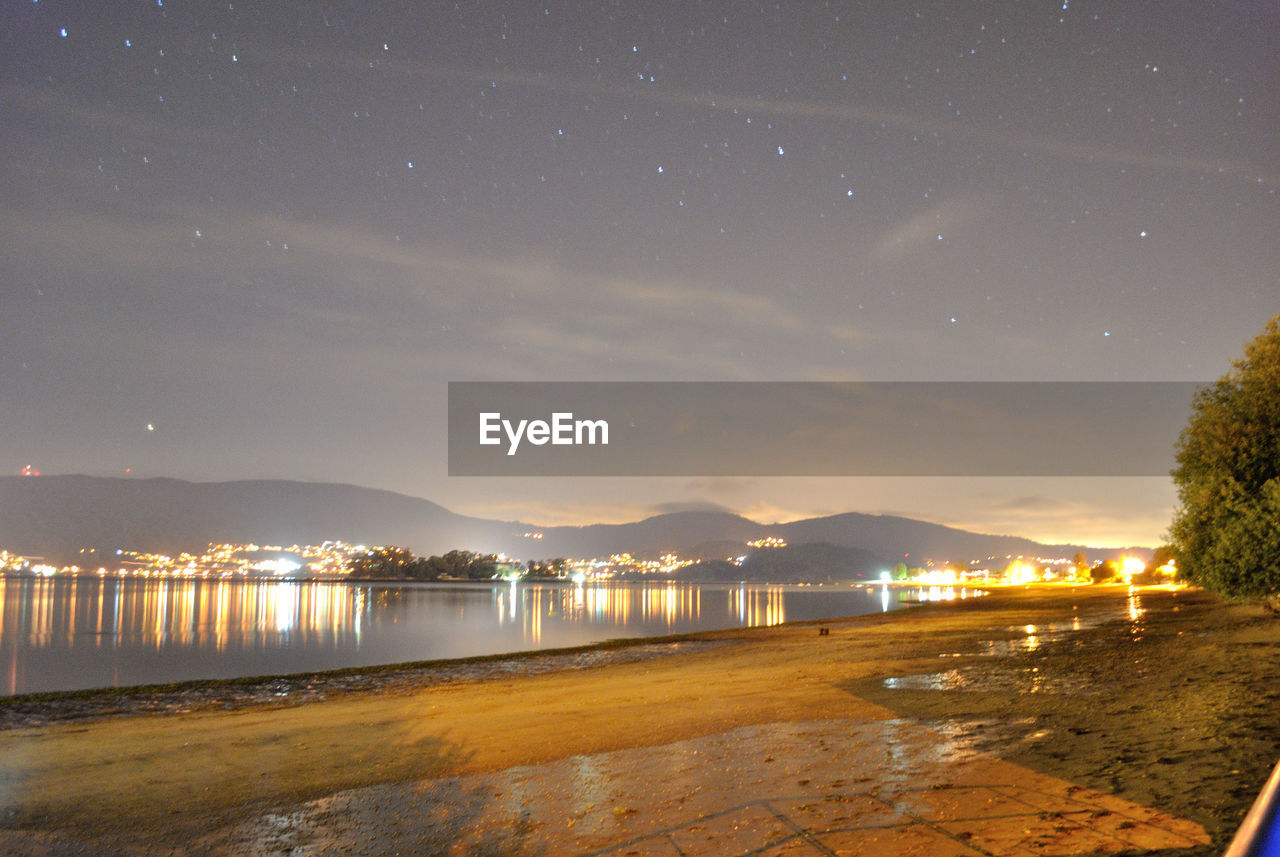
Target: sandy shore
[[43, 709], [1167, 699]]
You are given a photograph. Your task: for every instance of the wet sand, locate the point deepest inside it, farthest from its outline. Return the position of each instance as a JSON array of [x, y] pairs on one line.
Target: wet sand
[[1165, 699], [1174, 704]]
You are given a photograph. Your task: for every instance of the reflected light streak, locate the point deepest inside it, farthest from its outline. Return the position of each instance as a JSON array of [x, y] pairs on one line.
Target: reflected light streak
[[668, 604], [1032, 642], [84, 611], [1135, 607], [230, 619]]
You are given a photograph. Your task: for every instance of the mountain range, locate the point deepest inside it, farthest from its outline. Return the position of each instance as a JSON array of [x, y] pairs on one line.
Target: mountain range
[[55, 516]]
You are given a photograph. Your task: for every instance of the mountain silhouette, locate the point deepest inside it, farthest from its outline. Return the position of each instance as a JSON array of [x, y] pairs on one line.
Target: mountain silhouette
[[56, 516]]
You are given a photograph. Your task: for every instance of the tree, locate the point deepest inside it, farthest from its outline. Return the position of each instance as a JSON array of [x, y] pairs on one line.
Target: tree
[[546, 569], [462, 565], [1226, 531], [383, 563], [395, 563], [1104, 572]]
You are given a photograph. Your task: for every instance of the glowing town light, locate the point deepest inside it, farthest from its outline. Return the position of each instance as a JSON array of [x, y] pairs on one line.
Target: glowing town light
[[1131, 565], [277, 566]]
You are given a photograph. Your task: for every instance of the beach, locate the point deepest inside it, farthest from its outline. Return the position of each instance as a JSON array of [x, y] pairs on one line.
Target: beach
[[1161, 699]]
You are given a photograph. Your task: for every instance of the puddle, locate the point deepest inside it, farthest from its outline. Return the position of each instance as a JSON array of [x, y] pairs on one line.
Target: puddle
[[987, 679], [949, 680], [1024, 640], [1033, 638]]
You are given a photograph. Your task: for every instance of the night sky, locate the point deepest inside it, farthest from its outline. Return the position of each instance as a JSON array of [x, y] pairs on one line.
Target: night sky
[[251, 240]]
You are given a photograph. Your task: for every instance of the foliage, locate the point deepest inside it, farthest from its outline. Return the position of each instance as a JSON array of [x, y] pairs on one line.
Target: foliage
[[1104, 572], [462, 565], [546, 569], [395, 563], [1151, 574], [384, 562], [1226, 531]]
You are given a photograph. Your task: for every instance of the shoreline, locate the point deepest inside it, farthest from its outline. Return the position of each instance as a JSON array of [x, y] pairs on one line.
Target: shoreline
[[234, 693], [237, 692], [21, 711], [1165, 698], [267, 684]]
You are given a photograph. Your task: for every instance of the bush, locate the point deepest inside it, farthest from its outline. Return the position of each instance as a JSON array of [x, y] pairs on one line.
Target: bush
[[1104, 572]]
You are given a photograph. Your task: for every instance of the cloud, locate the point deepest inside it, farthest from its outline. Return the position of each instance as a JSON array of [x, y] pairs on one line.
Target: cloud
[[1108, 515], [925, 227], [514, 315], [1033, 504], [571, 322], [723, 485], [1021, 144], [116, 123], [676, 506]]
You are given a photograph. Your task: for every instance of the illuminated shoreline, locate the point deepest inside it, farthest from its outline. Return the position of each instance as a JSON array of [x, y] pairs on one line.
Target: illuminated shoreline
[[68, 632], [322, 676]]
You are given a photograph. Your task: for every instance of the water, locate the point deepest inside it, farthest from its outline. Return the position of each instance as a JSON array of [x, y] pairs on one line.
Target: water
[[65, 633]]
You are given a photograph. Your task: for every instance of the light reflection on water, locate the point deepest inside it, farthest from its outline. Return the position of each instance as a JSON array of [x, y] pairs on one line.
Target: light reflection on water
[[1136, 611], [41, 612], [59, 633], [1026, 639]]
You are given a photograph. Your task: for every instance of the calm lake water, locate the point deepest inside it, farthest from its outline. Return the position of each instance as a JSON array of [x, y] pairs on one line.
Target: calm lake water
[[64, 633]]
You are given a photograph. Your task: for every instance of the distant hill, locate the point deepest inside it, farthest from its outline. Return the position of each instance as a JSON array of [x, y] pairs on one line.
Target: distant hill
[[54, 516], [57, 515], [891, 537], [679, 532], [713, 535], [807, 563]]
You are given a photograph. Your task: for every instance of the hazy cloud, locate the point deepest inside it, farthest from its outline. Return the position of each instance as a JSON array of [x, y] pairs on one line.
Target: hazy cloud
[[928, 226], [1033, 504], [675, 506], [1083, 151]]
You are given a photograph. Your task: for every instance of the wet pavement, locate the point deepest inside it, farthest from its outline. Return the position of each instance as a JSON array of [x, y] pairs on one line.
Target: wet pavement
[[882, 787]]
